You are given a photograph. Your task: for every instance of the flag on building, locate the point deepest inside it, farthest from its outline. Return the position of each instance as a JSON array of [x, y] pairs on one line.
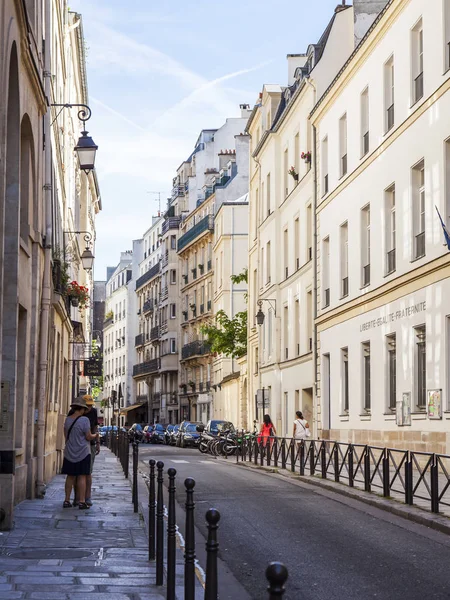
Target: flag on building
[[445, 230]]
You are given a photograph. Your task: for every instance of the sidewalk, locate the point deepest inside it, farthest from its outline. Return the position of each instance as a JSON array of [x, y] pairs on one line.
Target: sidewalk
[[68, 554]]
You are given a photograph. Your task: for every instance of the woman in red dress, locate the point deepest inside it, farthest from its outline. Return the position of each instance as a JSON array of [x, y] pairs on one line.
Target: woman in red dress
[[267, 430]]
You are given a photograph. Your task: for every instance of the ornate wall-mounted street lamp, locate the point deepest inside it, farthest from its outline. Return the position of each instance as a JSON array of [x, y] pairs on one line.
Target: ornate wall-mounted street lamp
[[85, 148], [260, 316], [87, 258]]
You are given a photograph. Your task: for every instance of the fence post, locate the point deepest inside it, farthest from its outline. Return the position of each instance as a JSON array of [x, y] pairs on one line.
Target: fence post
[[292, 450], [127, 455], [367, 469], [135, 476], [212, 547], [171, 533], [160, 526], [336, 462], [151, 512], [386, 474], [276, 574], [312, 457], [302, 458], [434, 476], [189, 542], [323, 460], [275, 449], [351, 482], [408, 479], [283, 453]]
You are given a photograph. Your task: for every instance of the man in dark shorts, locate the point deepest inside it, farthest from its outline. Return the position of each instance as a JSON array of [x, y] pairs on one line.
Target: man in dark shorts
[[95, 444]]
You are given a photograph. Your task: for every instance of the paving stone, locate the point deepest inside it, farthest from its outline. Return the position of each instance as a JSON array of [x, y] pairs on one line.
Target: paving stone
[[11, 595], [100, 596], [4, 587], [57, 588]]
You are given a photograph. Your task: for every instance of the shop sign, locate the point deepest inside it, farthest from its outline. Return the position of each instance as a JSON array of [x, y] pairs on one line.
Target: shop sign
[[434, 404]]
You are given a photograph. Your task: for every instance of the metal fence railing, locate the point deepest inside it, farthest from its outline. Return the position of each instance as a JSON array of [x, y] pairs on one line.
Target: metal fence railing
[[416, 478]]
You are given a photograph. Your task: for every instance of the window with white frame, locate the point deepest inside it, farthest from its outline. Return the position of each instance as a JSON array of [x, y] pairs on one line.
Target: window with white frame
[[286, 331], [389, 97], [343, 145], [297, 243], [344, 259], [173, 276], [365, 122], [297, 153], [344, 380], [268, 263], [392, 371], [421, 367], [365, 246], [297, 327], [390, 228], [173, 311], [286, 252], [324, 159], [286, 173], [173, 345], [326, 272], [309, 232], [269, 206], [366, 377], [417, 61], [446, 34], [418, 209]]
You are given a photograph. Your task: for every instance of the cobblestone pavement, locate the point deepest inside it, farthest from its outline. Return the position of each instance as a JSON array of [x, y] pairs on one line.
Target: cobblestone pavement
[[68, 554]]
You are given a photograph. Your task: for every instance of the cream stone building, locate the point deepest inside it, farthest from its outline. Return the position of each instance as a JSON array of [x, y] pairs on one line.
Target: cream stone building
[[383, 147], [45, 200]]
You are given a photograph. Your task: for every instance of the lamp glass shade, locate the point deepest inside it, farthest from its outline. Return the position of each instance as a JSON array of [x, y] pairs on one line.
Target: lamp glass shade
[[260, 317], [86, 149], [87, 258]]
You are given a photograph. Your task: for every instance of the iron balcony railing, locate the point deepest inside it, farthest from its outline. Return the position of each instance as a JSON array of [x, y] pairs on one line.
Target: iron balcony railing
[[141, 398], [390, 261], [146, 368], [146, 277], [327, 298], [344, 291], [170, 223], [164, 293], [196, 348], [366, 275], [420, 245], [203, 226], [154, 333], [139, 340], [149, 306], [418, 87], [178, 190], [165, 259]]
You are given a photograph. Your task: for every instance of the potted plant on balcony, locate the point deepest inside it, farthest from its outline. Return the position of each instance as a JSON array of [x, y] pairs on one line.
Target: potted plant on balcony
[[78, 294], [201, 268], [293, 173], [193, 307], [192, 384], [306, 156]]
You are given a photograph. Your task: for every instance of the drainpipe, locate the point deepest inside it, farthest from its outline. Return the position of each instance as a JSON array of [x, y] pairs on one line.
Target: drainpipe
[[46, 286]]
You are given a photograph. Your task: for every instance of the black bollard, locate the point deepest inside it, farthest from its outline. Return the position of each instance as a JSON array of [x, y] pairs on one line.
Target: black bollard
[[189, 542], [160, 526], [212, 548], [135, 476], [151, 512], [171, 537], [276, 574], [127, 454]]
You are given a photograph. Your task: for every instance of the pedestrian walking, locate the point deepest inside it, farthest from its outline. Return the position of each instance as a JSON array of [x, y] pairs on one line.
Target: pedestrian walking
[[301, 428], [95, 444], [77, 452], [267, 430]]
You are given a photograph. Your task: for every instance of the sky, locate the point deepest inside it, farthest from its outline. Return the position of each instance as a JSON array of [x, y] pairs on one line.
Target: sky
[[159, 72]]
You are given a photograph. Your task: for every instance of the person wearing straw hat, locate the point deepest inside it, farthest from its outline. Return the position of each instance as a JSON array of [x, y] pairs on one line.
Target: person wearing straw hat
[[77, 452]]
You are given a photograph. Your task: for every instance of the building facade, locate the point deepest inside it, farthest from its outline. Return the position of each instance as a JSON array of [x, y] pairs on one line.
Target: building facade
[[383, 272]]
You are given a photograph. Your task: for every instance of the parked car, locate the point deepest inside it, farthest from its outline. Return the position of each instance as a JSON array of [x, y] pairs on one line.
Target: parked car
[[215, 427], [158, 434], [188, 434], [104, 430], [172, 436]]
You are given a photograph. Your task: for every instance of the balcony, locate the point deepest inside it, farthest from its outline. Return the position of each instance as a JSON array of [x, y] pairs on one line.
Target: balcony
[[164, 293], [164, 327], [146, 277], [146, 368], [178, 190], [170, 223], [156, 399], [194, 273], [149, 306], [139, 340], [197, 348], [204, 226], [154, 333], [202, 308], [108, 321], [390, 266], [141, 398], [165, 259]]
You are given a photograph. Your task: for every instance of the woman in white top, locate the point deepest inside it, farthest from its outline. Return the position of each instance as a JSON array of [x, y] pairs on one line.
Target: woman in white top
[[301, 427]]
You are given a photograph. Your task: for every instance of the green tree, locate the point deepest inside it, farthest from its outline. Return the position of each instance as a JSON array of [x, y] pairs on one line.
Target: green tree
[[229, 336]]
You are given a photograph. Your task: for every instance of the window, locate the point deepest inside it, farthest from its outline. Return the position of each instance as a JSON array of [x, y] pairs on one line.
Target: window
[[269, 332], [343, 144], [309, 232], [418, 209], [297, 153], [297, 327], [326, 272], [309, 321], [173, 311], [392, 371], [286, 173], [268, 277], [286, 413], [365, 245], [297, 243], [286, 253], [173, 276], [344, 260], [173, 345], [262, 271], [365, 122], [389, 94], [421, 368], [417, 61], [173, 242], [269, 207], [366, 376], [344, 379], [447, 34], [390, 228], [286, 332], [325, 166], [263, 209]]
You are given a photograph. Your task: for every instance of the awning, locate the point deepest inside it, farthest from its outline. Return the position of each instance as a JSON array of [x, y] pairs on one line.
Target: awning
[[124, 411]]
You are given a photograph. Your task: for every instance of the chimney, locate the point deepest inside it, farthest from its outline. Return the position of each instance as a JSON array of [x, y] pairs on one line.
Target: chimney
[[365, 12], [295, 61], [245, 110]]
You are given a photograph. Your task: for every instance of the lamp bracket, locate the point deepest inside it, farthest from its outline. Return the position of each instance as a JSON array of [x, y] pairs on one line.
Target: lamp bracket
[[84, 114], [270, 301]]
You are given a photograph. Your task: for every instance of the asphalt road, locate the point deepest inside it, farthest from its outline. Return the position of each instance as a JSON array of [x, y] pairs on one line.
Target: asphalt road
[[335, 548]]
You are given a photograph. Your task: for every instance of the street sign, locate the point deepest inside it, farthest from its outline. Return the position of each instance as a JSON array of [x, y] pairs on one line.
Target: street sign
[[263, 398], [93, 367]]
